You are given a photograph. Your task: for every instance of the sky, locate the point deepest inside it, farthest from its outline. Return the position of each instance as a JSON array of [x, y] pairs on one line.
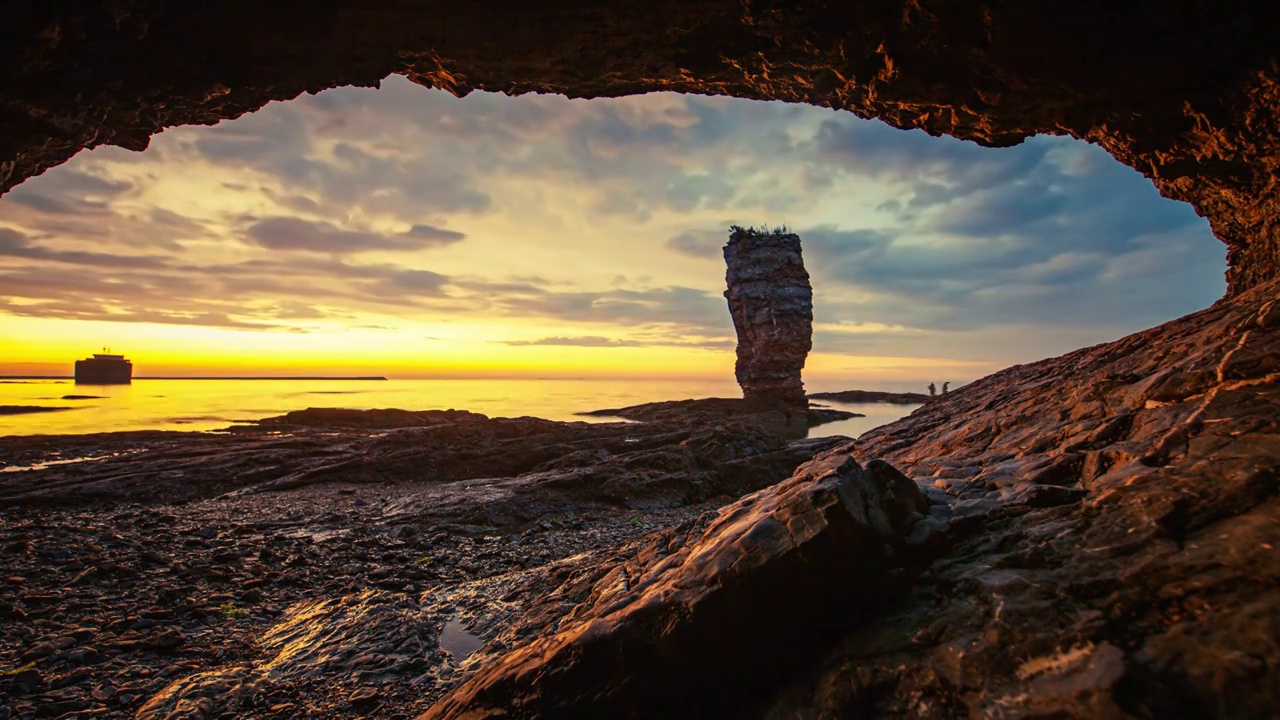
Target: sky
[[404, 232]]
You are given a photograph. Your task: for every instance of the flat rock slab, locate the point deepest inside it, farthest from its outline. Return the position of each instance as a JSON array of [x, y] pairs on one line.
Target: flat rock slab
[[779, 418], [29, 409]]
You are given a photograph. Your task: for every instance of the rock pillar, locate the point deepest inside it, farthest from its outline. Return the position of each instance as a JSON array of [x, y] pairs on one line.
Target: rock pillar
[[771, 302]]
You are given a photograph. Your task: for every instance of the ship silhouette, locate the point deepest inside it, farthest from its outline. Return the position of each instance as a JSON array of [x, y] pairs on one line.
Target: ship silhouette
[[104, 369]]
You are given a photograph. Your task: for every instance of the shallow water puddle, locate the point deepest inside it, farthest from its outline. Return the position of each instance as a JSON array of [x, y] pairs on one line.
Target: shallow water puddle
[[318, 535], [51, 463], [456, 640]]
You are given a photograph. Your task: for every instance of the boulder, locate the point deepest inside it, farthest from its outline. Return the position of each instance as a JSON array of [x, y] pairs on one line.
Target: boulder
[[707, 623]]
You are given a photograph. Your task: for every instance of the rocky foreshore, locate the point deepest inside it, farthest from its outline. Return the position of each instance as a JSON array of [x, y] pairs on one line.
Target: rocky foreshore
[[307, 565]]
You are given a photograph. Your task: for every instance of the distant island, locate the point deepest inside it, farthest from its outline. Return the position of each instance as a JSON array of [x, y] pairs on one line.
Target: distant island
[[872, 396]]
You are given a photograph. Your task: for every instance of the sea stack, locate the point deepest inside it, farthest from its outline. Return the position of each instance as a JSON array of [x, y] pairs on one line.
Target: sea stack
[[771, 302]]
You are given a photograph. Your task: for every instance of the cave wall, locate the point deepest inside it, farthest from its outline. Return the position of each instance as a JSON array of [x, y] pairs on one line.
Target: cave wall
[[1186, 94]]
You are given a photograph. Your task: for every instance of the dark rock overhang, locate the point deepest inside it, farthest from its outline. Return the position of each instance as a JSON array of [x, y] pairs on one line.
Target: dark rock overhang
[[1185, 93]]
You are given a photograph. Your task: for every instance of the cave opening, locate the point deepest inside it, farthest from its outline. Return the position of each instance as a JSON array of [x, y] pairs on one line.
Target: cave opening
[[1091, 535]]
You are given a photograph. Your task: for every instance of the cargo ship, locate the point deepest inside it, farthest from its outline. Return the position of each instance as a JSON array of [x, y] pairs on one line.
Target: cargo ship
[[104, 369]]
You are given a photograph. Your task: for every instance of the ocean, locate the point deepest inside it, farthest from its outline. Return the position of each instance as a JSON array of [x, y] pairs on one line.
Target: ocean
[[200, 405]]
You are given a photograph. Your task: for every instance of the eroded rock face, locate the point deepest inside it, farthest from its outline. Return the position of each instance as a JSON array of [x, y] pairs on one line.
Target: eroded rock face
[[1189, 95], [1116, 533], [771, 302], [705, 623]]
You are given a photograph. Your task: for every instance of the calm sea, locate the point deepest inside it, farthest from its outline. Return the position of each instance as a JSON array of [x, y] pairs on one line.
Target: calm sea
[[214, 404]]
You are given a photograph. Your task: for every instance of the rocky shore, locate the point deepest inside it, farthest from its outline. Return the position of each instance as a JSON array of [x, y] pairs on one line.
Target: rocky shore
[[316, 564]]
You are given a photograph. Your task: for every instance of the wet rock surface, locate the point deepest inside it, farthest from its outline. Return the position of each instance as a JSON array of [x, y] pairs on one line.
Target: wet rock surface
[[872, 396], [307, 566], [779, 418], [771, 302]]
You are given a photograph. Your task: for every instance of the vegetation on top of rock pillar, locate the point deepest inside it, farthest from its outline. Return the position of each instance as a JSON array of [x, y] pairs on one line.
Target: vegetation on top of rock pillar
[[762, 231]]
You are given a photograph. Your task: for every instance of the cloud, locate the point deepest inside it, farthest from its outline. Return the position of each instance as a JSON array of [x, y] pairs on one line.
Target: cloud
[[16, 245], [695, 310], [700, 244], [291, 233], [578, 341], [641, 340], [942, 167], [1037, 232], [433, 234], [71, 310], [68, 192]]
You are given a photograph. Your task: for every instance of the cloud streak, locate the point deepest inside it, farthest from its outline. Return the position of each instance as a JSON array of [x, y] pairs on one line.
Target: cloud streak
[[291, 233]]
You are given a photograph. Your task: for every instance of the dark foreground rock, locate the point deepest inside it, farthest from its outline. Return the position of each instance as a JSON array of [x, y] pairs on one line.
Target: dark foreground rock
[[704, 623], [1186, 93], [1116, 538], [872, 396]]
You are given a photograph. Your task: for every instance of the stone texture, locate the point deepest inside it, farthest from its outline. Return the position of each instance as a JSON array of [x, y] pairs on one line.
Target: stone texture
[[200, 696], [1115, 548], [705, 623], [771, 302], [1187, 94]]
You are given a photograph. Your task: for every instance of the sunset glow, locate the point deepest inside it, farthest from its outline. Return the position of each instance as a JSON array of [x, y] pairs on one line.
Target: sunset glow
[[408, 233]]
